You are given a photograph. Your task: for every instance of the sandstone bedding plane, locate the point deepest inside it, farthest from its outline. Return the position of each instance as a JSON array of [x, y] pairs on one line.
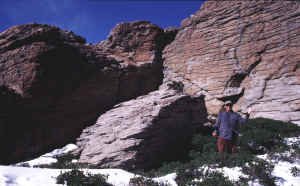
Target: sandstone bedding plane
[[146, 84]]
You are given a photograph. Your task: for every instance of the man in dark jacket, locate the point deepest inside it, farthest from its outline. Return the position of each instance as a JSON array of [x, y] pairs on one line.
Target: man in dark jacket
[[227, 124]]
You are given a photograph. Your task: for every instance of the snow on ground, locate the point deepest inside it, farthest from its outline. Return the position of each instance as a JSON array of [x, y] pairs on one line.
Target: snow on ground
[[49, 157], [26, 176], [290, 141], [283, 171], [170, 179], [21, 176]]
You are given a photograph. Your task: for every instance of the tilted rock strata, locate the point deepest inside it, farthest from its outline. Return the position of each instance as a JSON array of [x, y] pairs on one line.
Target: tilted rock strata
[[136, 42], [246, 51], [60, 85], [38, 64], [142, 133], [20, 48]]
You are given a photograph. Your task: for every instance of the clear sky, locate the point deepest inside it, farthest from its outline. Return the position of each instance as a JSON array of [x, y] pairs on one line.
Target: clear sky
[[93, 19]]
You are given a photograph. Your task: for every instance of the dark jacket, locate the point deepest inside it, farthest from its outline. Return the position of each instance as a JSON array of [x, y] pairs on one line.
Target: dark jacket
[[228, 124]]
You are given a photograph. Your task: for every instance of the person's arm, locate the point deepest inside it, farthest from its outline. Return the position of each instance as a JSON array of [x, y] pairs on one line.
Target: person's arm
[[243, 120]]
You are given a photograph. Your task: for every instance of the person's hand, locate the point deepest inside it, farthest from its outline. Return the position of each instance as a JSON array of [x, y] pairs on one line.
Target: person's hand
[[249, 110], [214, 133]]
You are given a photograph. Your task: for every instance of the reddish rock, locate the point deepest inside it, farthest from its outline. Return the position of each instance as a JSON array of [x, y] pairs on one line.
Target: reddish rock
[[57, 85], [229, 50], [134, 43], [21, 49], [52, 85], [245, 51]]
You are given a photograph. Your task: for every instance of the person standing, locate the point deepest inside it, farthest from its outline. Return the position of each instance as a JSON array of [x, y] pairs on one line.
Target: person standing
[[227, 125]]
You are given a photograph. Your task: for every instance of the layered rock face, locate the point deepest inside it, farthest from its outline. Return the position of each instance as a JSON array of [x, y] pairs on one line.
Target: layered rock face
[[144, 132], [244, 51], [37, 64], [134, 42], [22, 46], [56, 85], [138, 47], [53, 85]]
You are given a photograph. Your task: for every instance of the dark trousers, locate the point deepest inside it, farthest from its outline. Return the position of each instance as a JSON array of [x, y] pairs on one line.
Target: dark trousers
[[228, 146]]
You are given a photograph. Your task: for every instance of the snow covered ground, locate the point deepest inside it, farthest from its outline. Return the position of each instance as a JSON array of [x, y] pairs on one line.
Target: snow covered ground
[[28, 176], [48, 158]]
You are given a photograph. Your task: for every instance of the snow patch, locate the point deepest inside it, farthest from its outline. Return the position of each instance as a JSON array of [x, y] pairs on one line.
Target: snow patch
[[48, 158]]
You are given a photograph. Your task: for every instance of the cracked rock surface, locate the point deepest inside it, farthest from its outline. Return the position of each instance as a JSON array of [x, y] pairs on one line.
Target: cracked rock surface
[[142, 133], [245, 51], [53, 85]]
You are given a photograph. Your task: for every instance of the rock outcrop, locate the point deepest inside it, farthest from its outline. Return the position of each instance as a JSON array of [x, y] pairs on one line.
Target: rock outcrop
[[245, 51], [137, 46], [240, 51], [56, 85], [53, 85], [134, 42], [22, 46], [144, 132]]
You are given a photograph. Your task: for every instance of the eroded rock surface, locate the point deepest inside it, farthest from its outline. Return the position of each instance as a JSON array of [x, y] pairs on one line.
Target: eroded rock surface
[[245, 51], [53, 85], [56, 85], [144, 132]]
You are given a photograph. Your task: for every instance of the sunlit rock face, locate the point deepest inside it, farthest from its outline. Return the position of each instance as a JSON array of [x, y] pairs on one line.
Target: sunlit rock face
[[245, 51], [53, 84], [144, 132]]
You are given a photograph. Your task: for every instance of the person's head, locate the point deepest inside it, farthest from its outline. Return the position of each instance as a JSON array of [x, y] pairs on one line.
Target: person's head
[[228, 105]]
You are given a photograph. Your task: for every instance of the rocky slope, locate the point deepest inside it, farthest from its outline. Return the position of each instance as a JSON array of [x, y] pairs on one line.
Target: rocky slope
[[245, 51], [53, 84]]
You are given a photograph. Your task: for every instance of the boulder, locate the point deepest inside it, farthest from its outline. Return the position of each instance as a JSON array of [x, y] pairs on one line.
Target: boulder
[[143, 132]]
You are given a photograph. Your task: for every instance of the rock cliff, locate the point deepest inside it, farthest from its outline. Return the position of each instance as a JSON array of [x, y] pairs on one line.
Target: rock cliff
[[56, 85], [244, 51], [148, 87]]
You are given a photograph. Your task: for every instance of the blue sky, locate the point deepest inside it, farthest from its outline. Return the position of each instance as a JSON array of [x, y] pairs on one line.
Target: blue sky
[[93, 19]]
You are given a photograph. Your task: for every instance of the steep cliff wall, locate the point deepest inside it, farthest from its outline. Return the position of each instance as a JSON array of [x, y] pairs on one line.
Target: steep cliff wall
[[245, 51]]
